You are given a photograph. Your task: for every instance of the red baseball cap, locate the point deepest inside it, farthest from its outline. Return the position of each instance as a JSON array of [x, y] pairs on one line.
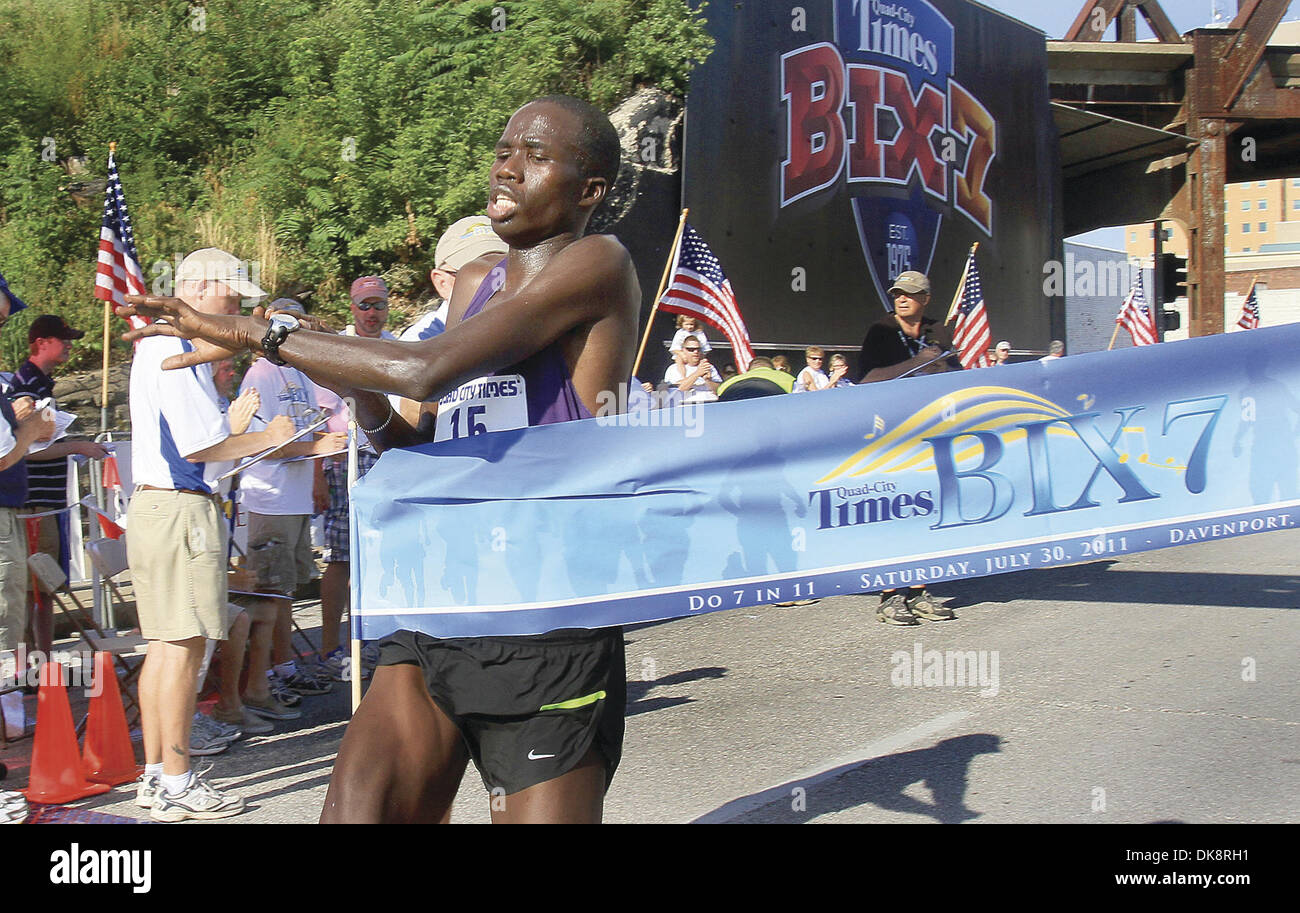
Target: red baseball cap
[[368, 287]]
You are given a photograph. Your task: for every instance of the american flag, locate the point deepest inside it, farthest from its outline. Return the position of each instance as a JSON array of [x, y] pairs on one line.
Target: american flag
[[971, 334], [1249, 319], [699, 289], [118, 273], [1136, 317]]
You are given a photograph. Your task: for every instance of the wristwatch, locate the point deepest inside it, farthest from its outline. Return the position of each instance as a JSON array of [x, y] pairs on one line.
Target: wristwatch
[[278, 331]]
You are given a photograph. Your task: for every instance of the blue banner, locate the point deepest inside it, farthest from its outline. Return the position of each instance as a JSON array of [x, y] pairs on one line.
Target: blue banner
[[654, 515]]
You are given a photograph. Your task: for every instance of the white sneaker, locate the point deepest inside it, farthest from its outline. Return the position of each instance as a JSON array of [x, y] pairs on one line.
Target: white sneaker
[[12, 716], [145, 789], [13, 808], [201, 801]]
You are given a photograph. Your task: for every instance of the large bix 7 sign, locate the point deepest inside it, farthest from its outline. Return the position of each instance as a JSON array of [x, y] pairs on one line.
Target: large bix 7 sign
[[826, 153], [880, 108]]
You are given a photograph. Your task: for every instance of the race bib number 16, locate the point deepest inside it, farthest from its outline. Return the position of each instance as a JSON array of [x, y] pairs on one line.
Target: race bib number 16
[[495, 403]]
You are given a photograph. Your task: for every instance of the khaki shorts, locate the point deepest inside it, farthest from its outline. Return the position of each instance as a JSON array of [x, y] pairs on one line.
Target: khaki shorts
[[279, 552], [13, 578], [176, 546]]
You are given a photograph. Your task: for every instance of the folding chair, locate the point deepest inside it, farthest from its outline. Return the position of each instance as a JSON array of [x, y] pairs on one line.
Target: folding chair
[[51, 580], [108, 558]]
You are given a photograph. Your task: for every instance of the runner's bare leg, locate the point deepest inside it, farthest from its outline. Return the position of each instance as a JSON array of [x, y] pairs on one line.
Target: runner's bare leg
[[401, 760], [577, 797]]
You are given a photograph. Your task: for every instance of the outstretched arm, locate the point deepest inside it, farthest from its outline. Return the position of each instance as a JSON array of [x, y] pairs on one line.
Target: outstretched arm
[[580, 284]]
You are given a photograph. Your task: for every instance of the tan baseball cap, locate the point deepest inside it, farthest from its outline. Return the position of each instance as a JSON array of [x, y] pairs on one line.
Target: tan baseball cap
[[288, 304], [212, 264], [912, 282], [466, 240]]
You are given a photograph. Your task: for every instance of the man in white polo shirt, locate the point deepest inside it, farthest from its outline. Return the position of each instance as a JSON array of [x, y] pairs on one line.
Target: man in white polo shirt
[[176, 541], [277, 493]]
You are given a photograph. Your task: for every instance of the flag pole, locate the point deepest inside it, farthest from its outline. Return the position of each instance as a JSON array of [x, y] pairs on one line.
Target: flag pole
[[1113, 337], [663, 284], [354, 561], [108, 312], [961, 284]]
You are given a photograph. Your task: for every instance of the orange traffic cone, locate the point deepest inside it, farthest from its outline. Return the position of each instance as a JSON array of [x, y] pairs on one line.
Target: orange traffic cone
[[108, 756], [57, 776]]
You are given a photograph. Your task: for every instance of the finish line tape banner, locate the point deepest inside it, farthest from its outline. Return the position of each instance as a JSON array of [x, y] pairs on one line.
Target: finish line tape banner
[[655, 515]]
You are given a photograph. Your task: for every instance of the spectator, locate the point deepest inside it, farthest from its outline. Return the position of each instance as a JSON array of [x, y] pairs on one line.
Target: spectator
[[230, 719], [49, 341], [697, 380], [177, 545], [369, 296], [904, 342], [21, 425], [781, 363], [463, 243], [1001, 353], [907, 341], [840, 371], [369, 309], [687, 326], [760, 380], [277, 494], [1054, 351], [812, 377]]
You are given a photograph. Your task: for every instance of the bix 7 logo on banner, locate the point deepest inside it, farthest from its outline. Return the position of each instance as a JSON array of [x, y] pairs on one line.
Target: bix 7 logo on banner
[[879, 108]]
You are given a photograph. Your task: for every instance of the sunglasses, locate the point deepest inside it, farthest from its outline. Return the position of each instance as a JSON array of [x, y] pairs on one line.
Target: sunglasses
[[378, 306], [688, 349], [816, 358]]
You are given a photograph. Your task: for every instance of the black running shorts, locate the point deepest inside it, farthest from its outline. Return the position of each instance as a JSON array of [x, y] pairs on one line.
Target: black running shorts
[[528, 708]]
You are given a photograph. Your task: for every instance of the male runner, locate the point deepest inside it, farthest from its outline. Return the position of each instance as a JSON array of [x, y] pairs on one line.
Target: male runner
[[560, 312]]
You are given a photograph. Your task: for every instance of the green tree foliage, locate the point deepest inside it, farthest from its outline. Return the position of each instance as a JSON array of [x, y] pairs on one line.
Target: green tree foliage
[[321, 139]]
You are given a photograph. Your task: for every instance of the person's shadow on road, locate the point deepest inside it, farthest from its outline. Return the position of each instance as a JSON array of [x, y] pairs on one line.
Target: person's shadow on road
[[637, 702], [881, 781]]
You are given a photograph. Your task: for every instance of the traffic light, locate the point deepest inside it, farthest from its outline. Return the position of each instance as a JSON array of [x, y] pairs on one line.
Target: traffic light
[[1173, 278]]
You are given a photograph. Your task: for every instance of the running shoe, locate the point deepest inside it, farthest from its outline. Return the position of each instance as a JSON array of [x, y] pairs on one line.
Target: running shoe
[[145, 789], [282, 692], [339, 666], [309, 680], [201, 801], [893, 610], [13, 807], [204, 742], [271, 708], [247, 721], [216, 729], [922, 606]]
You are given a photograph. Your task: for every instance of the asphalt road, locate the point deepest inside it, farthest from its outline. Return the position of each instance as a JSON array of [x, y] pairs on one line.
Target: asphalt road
[[1153, 687]]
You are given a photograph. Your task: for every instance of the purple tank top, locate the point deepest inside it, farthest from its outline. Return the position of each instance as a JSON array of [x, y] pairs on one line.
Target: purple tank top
[[548, 387]]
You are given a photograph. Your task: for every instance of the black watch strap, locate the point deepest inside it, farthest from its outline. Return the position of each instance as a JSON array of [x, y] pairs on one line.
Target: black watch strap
[[275, 335]]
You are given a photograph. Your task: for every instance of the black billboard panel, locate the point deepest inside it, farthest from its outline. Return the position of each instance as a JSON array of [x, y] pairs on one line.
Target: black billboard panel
[[832, 145]]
